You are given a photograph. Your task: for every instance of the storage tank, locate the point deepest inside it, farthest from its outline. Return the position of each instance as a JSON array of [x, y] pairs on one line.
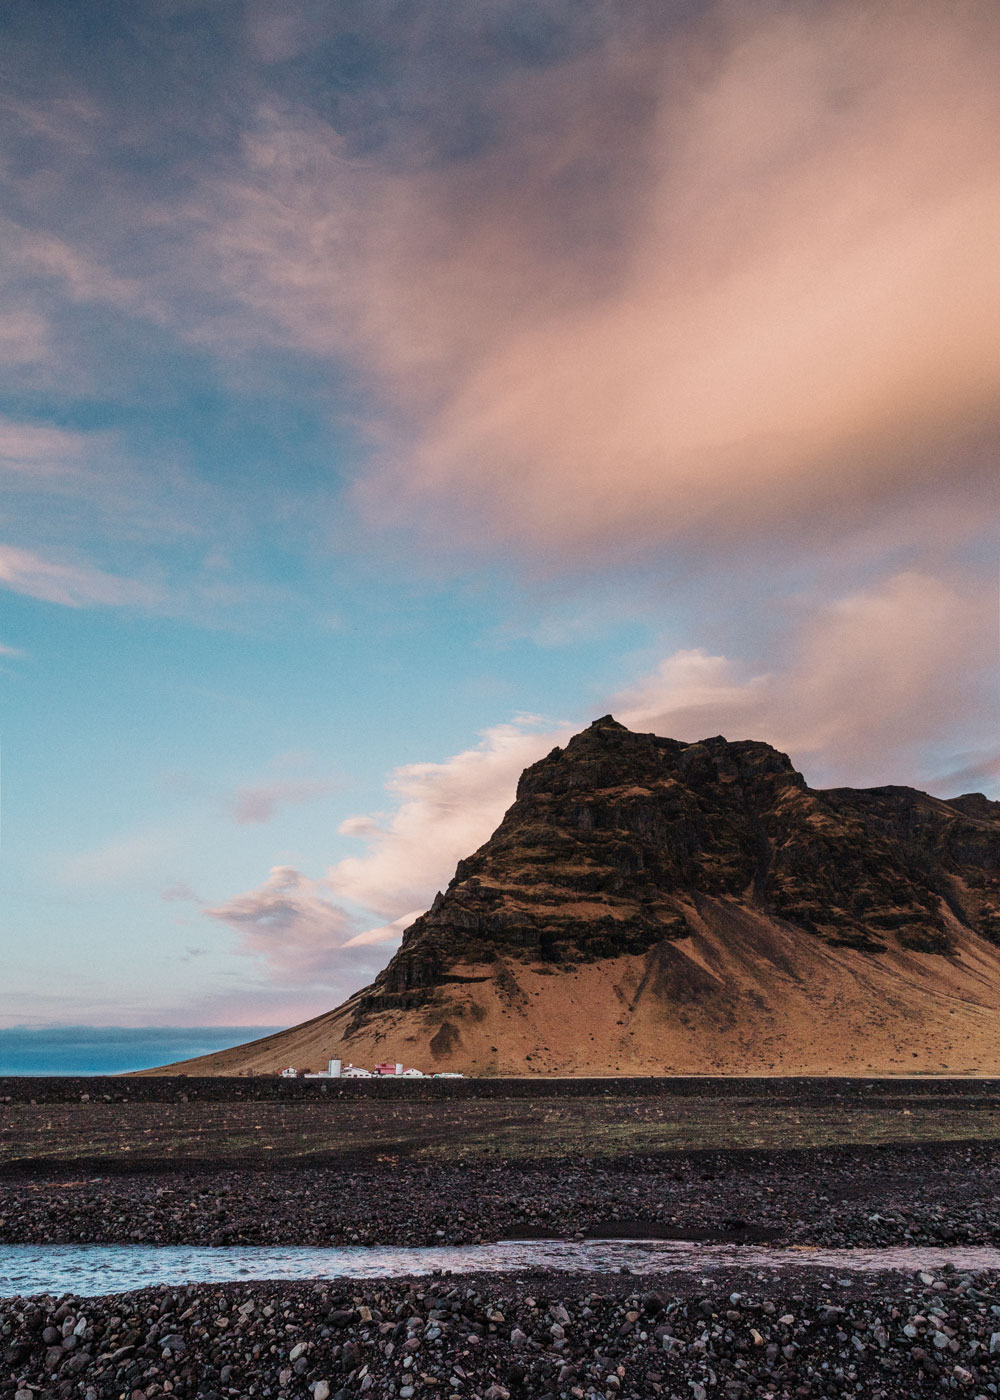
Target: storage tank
[[335, 1068]]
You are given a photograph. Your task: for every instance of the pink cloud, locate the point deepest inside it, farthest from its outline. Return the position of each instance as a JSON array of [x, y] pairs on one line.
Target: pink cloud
[[728, 280], [875, 681], [384, 933], [787, 319], [250, 805], [873, 686], [290, 924], [178, 892], [445, 810], [71, 585], [805, 319]]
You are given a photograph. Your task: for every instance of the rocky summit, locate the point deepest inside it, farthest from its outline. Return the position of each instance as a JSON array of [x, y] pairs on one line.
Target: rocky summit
[[651, 906]]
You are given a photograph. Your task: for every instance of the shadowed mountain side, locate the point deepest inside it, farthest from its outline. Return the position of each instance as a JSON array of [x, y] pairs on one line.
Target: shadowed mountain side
[[650, 907]]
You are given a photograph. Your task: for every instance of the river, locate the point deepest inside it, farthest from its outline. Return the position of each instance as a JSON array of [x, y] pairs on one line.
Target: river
[[94, 1269]]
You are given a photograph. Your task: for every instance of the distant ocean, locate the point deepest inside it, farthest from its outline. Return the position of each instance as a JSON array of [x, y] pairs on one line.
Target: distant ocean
[[113, 1049]]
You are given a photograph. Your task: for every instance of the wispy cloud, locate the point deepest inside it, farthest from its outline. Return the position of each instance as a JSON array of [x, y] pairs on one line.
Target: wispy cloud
[[875, 683], [873, 687], [384, 933], [258, 804], [973, 770], [804, 318], [38, 453], [75, 585], [180, 892], [445, 810], [290, 923], [79, 276], [785, 320]]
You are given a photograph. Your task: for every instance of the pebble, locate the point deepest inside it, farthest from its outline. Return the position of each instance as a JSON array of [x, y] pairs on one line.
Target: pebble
[[936, 1194], [735, 1337]]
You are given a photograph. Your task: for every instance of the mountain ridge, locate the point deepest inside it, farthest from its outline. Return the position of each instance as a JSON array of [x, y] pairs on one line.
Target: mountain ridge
[[737, 919]]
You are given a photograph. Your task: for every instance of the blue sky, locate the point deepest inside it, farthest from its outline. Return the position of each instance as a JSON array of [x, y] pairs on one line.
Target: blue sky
[[387, 390]]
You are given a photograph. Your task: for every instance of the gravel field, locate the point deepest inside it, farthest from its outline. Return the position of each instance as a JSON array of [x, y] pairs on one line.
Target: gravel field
[[940, 1194], [783, 1335], [740, 1336]]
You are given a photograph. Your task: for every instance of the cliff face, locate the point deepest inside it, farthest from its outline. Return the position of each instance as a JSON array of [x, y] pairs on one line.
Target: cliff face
[[649, 906], [612, 840]]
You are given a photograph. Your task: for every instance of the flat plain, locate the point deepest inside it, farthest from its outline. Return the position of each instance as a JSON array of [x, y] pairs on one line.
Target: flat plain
[[134, 1125]]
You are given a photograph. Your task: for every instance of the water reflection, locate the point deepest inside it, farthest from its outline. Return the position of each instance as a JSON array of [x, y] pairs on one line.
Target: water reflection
[[95, 1269]]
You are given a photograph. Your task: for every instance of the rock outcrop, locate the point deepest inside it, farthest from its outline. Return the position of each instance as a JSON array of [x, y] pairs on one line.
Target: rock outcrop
[[650, 905]]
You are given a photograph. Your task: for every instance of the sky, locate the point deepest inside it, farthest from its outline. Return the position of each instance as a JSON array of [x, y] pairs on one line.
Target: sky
[[389, 389]]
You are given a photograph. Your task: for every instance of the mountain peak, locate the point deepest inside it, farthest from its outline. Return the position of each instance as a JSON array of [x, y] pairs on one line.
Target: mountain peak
[[657, 906], [613, 840]]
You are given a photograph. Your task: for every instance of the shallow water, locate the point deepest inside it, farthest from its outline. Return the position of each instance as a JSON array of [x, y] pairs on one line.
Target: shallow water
[[94, 1269]]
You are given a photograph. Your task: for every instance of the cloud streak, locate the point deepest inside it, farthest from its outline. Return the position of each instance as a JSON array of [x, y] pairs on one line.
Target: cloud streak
[[876, 687], [445, 810], [791, 322], [290, 924], [258, 804], [70, 585], [876, 683], [36, 453]]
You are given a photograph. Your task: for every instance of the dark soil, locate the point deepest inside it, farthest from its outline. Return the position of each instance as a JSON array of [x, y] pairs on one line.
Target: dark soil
[[106, 1126]]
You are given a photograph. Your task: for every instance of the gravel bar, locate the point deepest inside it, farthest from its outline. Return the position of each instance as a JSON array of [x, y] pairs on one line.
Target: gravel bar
[[739, 1337], [931, 1195]]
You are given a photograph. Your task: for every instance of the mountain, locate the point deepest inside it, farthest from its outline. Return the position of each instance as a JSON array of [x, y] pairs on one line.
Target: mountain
[[653, 907]]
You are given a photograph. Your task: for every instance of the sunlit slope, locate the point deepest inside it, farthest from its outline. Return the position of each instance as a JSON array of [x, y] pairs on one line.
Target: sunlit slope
[[651, 907]]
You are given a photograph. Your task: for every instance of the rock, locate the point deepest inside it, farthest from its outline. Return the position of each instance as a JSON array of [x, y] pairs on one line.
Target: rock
[[605, 1351], [623, 845]]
